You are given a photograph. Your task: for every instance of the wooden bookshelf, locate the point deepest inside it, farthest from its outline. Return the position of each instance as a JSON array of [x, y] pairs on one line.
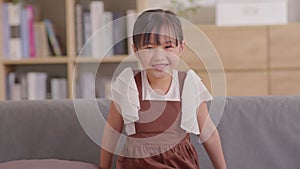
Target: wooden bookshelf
[[110, 59], [45, 60], [66, 17]]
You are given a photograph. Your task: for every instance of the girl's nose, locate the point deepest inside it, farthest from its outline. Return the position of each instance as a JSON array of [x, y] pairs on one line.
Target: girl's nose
[[159, 53]]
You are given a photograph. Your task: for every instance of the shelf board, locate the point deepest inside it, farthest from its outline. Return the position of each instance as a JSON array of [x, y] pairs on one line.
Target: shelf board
[[32, 61], [110, 59]]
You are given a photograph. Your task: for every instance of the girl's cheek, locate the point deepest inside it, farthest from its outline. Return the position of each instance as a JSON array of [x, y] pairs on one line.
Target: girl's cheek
[[174, 59], [145, 63]]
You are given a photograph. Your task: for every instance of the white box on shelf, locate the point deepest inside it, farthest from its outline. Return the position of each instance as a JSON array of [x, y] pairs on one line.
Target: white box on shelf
[[237, 13]]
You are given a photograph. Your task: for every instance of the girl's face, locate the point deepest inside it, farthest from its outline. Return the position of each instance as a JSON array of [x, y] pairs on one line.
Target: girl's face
[[159, 59]]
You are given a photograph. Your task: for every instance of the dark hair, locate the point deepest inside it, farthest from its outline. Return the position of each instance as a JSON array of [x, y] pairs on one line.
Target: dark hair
[[151, 22]]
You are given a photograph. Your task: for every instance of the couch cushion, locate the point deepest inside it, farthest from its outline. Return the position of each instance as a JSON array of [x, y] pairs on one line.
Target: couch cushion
[[47, 164]]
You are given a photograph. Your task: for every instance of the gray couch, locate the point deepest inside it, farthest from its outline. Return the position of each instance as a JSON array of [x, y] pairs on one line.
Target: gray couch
[[256, 132]]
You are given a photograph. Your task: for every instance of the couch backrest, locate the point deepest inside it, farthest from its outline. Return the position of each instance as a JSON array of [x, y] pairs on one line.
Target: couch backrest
[[45, 129], [260, 133], [256, 132]]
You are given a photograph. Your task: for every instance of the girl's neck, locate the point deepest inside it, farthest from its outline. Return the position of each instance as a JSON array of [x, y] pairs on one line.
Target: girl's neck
[[160, 84]]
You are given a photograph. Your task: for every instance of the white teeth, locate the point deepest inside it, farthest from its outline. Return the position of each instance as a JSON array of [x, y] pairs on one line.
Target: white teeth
[[159, 66]]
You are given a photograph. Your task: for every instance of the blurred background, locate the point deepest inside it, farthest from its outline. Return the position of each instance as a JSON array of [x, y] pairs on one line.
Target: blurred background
[[53, 49]]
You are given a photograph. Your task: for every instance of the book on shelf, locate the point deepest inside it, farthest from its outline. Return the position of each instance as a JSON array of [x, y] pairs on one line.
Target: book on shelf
[[97, 10], [16, 91], [14, 24], [16, 86], [86, 84], [13, 87], [52, 38], [42, 47], [131, 16], [119, 33], [79, 27], [37, 85], [25, 34], [23, 81], [58, 88], [5, 31], [37, 43], [87, 33], [31, 35], [107, 34]]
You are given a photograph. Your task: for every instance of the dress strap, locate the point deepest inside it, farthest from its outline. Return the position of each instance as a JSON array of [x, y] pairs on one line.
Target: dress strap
[[181, 78], [138, 81]]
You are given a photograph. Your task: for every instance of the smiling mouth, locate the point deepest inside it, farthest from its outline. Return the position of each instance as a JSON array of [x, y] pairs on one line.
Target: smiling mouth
[[159, 66]]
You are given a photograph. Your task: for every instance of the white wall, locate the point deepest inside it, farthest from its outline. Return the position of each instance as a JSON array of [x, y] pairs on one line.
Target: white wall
[[206, 15]]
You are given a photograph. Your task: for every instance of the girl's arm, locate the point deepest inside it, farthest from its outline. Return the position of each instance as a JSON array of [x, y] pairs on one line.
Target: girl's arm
[[113, 128], [210, 137]]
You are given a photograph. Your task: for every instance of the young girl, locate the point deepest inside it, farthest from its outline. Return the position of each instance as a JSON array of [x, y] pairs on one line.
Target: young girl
[[155, 103]]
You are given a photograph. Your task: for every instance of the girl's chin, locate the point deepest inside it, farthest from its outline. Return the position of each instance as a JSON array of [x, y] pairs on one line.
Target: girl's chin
[[158, 73]]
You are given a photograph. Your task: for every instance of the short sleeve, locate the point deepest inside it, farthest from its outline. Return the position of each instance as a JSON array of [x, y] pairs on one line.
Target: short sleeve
[[194, 93], [125, 94]]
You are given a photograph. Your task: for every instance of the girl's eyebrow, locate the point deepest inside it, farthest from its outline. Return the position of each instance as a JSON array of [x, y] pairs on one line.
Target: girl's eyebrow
[[148, 43], [169, 41]]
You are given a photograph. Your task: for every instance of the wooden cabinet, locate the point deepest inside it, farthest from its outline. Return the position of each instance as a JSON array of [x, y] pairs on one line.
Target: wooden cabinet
[[240, 47], [238, 83], [285, 59], [285, 82], [257, 60], [284, 46]]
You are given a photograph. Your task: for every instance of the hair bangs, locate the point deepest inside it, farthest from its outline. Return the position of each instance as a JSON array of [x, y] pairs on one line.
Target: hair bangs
[[157, 24]]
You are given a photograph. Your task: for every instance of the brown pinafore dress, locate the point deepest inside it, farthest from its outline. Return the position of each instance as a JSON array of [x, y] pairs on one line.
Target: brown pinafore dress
[[159, 142]]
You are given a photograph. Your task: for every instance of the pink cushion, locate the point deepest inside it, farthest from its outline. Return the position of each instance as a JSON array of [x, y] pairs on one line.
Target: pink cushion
[[47, 164]]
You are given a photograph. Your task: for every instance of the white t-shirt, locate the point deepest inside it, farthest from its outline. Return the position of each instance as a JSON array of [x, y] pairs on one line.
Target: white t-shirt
[[125, 93]]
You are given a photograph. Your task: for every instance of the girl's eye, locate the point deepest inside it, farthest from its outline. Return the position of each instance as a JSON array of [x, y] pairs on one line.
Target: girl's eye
[[149, 48], [169, 47]]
